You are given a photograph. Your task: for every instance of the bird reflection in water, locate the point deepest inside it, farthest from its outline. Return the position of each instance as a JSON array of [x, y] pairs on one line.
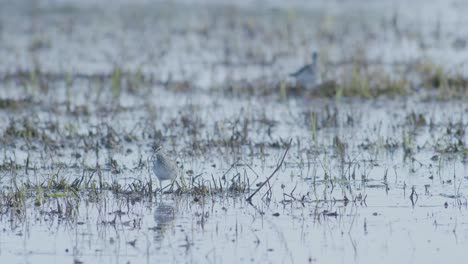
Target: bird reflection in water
[[164, 215]]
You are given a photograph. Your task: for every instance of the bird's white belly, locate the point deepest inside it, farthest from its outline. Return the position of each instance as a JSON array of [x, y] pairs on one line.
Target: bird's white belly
[[306, 80], [161, 171]]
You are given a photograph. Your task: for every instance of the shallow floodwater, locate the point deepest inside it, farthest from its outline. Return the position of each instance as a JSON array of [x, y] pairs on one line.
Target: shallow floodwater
[[87, 88]]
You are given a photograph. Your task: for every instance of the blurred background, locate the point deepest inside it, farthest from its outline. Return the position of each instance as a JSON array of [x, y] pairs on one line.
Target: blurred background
[[214, 44], [375, 154]]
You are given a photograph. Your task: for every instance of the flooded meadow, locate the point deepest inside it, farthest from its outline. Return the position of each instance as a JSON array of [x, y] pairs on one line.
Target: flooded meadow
[[369, 166]]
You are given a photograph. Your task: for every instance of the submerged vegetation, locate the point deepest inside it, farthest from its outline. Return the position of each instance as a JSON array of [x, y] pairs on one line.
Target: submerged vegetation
[[269, 170], [358, 80]]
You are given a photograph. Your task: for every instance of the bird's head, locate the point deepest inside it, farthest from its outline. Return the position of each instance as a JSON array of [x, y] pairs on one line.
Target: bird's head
[[156, 148], [314, 56]]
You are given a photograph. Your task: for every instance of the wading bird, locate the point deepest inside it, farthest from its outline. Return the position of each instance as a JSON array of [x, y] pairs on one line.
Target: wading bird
[[163, 167], [308, 76]]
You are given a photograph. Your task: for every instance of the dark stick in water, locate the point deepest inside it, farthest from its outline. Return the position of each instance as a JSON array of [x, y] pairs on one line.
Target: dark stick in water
[[249, 199]]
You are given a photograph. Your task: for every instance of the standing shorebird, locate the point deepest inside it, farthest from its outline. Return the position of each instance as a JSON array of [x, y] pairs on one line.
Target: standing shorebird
[[163, 167], [308, 76]]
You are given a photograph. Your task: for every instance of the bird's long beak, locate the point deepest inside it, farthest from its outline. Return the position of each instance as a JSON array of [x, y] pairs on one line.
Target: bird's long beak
[[156, 148]]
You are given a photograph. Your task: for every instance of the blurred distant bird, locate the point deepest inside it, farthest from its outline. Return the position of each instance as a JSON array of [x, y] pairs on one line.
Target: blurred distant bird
[[163, 167], [308, 76]]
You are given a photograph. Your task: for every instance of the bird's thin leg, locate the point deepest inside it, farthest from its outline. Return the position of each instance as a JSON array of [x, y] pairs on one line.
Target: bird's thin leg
[[165, 187], [156, 194], [172, 184], [160, 185], [173, 181]]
